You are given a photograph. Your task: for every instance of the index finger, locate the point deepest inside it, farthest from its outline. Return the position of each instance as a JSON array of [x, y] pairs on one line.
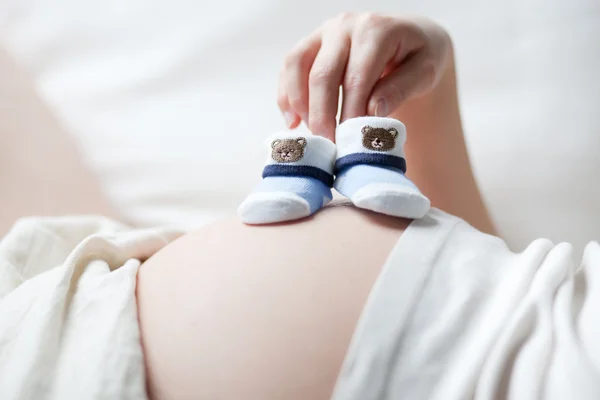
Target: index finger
[[295, 74], [324, 85]]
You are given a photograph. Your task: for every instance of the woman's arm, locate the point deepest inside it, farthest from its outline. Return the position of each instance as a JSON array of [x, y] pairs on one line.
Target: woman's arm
[[437, 155], [41, 171]]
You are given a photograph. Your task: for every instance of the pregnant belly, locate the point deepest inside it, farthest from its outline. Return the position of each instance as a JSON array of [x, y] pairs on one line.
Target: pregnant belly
[[238, 312]]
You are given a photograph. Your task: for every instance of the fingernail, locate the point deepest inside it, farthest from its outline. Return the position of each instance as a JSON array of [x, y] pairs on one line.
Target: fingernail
[[289, 118], [381, 109]]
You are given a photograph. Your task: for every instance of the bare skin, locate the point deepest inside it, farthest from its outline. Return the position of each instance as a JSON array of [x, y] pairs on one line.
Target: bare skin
[[239, 312], [41, 171]]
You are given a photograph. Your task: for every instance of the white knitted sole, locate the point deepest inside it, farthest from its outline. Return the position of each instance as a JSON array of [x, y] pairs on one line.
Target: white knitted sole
[[392, 199], [272, 207]]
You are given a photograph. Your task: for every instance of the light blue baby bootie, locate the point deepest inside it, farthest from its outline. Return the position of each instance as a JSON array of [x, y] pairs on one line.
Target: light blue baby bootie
[[296, 181]]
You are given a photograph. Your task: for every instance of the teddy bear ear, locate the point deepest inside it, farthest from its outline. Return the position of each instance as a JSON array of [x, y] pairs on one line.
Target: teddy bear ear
[[393, 131], [275, 143], [301, 141], [366, 129]]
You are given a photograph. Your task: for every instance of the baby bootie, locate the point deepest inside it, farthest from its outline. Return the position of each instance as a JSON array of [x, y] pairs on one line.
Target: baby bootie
[[296, 181], [370, 167]]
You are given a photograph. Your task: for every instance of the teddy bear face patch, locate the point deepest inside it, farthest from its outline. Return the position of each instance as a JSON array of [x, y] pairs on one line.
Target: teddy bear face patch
[[288, 150], [379, 139]]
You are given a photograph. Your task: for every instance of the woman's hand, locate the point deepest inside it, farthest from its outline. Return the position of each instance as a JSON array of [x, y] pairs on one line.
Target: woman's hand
[[379, 61]]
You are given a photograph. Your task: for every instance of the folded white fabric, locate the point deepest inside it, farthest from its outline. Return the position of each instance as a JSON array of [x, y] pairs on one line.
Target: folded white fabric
[[68, 314]]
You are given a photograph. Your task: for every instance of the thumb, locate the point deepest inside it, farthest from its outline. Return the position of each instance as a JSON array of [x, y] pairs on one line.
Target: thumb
[[412, 78]]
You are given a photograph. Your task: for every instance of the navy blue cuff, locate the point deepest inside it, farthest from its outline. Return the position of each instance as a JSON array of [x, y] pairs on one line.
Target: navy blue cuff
[[298, 170], [384, 160]]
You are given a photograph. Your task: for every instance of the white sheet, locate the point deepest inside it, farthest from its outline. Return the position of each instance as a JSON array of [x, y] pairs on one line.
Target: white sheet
[[156, 91], [68, 315]]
